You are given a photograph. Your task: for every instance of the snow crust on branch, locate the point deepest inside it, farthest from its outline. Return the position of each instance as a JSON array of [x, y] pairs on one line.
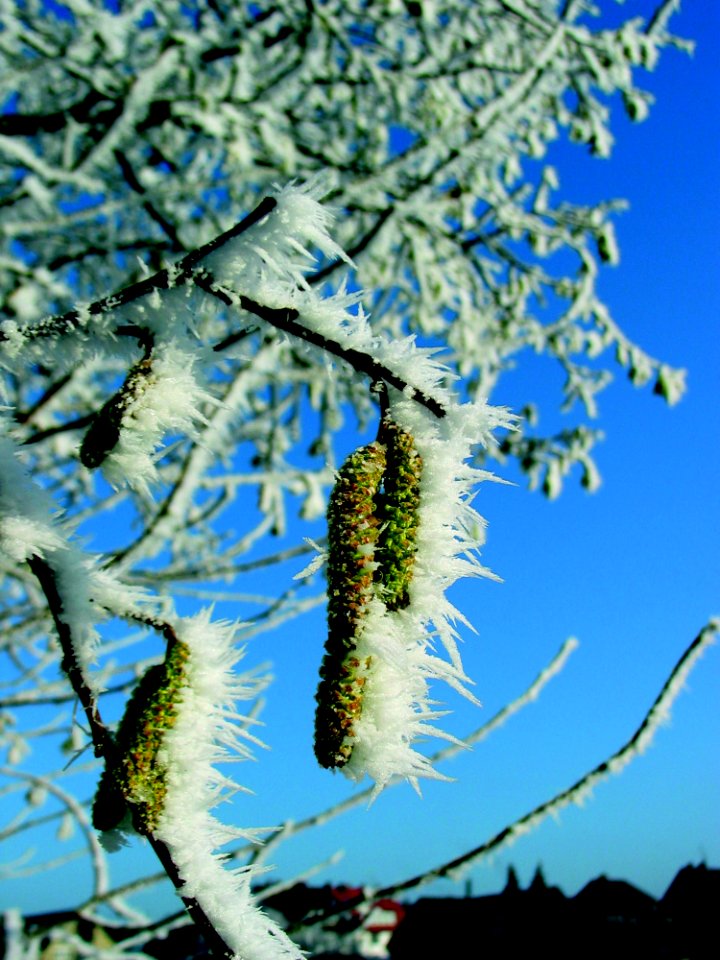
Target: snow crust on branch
[[269, 262], [208, 730], [29, 528]]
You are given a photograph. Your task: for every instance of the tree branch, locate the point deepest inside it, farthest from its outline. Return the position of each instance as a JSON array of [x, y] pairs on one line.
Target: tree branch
[[174, 276], [287, 320], [101, 736], [637, 743], [104, 743]]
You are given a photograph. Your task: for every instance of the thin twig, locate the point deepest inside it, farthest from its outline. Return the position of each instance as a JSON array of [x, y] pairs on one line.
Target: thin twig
[[287, 320], [101, 737], [636, 744], [189, 268], [97, 856], [174, 276], [633, 747]]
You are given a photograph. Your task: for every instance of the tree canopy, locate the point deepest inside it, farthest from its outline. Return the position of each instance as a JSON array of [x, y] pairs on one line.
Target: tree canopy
[[229, 231]]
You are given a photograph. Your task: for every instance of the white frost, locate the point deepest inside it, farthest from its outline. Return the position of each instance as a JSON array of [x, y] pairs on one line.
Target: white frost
[[396, 709], [207, 731], [169, 400], [29, 528]]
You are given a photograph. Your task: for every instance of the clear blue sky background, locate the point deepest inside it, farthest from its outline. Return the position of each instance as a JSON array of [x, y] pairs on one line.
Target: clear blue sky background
[[632, 571]]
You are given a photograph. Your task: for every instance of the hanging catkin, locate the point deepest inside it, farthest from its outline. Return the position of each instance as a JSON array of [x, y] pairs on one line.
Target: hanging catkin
[[372, 522], [398, 514], [104, 432], [135, 781]]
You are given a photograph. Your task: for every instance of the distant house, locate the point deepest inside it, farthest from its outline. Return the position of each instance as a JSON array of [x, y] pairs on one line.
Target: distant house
[[615, 919], [510, 924], [352, 928], [606, 920], [690, 909], [378, 927]]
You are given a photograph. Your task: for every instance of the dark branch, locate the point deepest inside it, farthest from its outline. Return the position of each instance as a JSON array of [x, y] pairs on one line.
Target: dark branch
[[47, 578], [287, 320], [162, 280], [213, 939], [358, 248], [104, 743], [132, 181]]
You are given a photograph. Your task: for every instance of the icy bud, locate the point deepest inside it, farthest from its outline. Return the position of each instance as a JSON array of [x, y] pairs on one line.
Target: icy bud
[[160, 395]]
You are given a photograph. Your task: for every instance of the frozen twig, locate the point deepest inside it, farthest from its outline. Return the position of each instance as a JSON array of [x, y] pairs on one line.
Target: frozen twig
[[97, 854], [632, 748]]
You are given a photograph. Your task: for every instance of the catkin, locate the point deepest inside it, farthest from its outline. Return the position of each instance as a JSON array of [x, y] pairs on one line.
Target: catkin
[[103, 434], [353, 528], [372, 524], [135, 781], [398, 513]]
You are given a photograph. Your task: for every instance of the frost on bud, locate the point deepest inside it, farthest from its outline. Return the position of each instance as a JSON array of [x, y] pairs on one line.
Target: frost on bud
[[104, 432], [136, 779], [161, 394], [372, 525]]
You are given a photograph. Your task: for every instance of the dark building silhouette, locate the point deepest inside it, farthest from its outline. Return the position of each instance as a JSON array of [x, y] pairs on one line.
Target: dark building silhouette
[[615, 920], [690, 908], [512, 923], [607, 919]]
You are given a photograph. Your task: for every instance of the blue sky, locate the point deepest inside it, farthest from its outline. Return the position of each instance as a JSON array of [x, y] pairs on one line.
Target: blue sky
[[631, 570]]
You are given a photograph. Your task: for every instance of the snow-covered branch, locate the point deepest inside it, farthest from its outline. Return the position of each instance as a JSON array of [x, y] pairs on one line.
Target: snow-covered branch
[[179, 380], [657, 715]]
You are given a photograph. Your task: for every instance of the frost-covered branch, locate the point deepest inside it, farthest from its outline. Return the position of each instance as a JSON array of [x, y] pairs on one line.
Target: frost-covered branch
[[196, 402], [47, 579], [69, 323], [656, 716]]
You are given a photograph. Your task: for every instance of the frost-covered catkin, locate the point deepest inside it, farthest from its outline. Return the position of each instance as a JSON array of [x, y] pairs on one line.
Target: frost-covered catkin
[[138, 775], [372, 521], [398, 515], [161, 394], [353, 528], [103, 434], [207, 730], [423, 535]]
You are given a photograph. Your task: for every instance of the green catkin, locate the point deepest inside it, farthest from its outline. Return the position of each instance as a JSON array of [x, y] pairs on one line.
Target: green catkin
[[103, 434], [353, 528], [397, 541], [136, 780], [372, 527]]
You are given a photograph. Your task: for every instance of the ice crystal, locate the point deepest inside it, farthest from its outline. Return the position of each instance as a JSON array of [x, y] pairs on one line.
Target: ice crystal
[[207, 730]]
